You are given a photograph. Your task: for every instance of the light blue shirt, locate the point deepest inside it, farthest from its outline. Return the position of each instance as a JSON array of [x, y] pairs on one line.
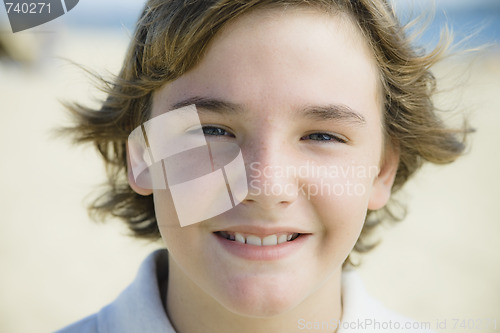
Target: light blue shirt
[[139, 308]]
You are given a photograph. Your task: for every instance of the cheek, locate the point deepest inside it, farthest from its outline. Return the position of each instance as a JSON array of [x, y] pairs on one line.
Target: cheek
[[181, 242], [343, 215], [165, 212], [342, 202], [343, 219]]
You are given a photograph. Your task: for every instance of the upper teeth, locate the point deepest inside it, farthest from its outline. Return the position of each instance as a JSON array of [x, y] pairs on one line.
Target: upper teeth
[[256, 240]]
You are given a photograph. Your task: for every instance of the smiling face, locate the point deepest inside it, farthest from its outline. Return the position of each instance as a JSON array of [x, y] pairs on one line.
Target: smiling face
[[298, 91]]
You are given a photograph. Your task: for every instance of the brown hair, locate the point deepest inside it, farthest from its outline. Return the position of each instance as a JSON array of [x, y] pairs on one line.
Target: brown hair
[[170, 39]]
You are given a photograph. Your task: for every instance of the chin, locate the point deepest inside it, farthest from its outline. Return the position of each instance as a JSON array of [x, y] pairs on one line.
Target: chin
[[261, 297]]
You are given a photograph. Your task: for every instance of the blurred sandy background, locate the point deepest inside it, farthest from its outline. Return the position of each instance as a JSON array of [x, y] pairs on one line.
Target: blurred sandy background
[[56, 266]]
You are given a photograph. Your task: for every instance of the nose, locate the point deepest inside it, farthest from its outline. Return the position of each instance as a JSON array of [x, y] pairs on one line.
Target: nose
[[271, 179]]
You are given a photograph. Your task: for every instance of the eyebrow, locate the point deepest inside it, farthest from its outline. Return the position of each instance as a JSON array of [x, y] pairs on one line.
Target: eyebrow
[[209, 104], [337, 112]]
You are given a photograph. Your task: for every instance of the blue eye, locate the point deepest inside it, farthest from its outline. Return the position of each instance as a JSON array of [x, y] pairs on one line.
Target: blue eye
[[215, 131], [324, 137]]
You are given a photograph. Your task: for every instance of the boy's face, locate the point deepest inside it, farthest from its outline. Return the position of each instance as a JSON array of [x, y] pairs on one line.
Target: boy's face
[[305, 109]]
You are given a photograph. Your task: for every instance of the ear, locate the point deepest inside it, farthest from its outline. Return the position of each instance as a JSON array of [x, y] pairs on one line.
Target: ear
[[382, 185], [132, 180]]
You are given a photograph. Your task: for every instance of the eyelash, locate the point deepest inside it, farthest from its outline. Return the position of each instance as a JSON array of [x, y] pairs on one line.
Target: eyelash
[[206, 130], [325, 137], [319, 136]]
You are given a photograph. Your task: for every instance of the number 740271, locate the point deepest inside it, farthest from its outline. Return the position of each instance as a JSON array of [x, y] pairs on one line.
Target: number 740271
[[28, 7]]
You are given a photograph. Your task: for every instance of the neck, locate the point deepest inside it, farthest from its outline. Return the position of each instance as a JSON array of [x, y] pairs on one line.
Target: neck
[[192, 310]]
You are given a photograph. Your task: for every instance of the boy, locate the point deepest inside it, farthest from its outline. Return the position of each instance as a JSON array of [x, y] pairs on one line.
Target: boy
[[258, 139]]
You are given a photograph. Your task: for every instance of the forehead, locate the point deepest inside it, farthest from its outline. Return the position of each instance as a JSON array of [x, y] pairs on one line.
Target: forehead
[[280, 57]]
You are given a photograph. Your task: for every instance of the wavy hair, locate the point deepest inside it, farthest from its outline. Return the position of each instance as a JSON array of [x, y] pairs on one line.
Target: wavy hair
[[171, 37]]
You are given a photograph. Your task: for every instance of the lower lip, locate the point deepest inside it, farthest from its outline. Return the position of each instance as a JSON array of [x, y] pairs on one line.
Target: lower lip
[[263, 253]]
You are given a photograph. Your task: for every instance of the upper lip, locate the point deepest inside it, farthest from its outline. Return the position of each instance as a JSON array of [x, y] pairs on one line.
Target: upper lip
[[263, 231]]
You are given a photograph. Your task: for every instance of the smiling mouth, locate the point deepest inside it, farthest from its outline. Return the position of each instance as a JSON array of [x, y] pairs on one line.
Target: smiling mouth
[[258, 241]]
